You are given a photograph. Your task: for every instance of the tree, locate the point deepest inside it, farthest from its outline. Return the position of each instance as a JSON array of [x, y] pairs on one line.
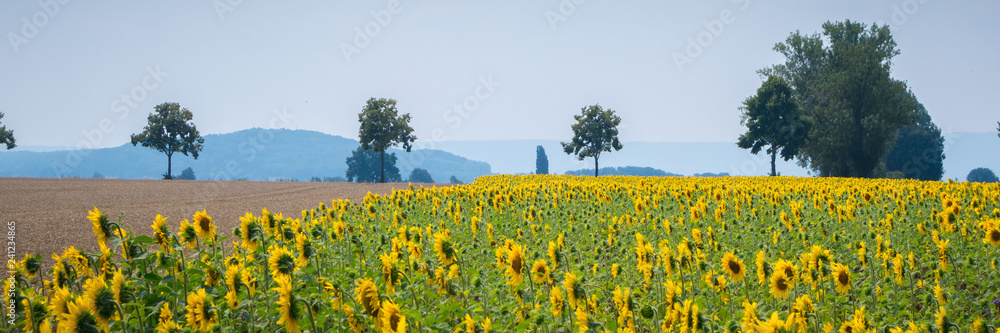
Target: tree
[[918, 152], [419, 175], [595, 132], [455, 180], [541, 161], [365, 166], [846, 92], [170, 131], [382, 128], [773, 119], [7, 136], [187, 174], [982, 175]]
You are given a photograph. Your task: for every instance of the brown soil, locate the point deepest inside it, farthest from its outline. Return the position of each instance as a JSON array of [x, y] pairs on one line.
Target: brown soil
[[51, 214]]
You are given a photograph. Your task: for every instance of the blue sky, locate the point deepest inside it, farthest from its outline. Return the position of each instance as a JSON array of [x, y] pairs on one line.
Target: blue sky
[[86, 74]]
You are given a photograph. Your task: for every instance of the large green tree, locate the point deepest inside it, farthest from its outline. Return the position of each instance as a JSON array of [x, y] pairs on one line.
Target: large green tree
[[918, 151], [842, 82], [366, 166], [773, 119], [541, 161], [170, 130], [595, 132], [6, 136], [382, 127]]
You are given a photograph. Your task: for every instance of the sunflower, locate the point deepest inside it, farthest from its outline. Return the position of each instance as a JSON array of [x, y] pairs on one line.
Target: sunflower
[[102, 298], [287, 304], [515, 270], [391, 319], [615, 270], [582, 318], [856, 324], [573, 289], [352, 320], [58, 301], [787, 267], [898, 269], [780, 284], [165, 323], [250, 233], [118, 285], [978, 326], [540, 272], [763, 269], [734, 266], [444, 249], [366, 294], [281, 262], [750, 320], [188, 234], [623, 299], [487, 325], [941, 320], [161, 233], [101, 225], [390, 270], [203, 225], [35, 311], [80, 317], [200, 315], [554, 255], [558, 302], [841, 278], [992, 236]]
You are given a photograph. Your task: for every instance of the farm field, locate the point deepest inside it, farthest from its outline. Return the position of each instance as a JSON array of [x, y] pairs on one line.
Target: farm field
[[50, 214], [545, 254]]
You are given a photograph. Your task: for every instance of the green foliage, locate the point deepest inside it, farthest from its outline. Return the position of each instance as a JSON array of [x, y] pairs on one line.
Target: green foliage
[[773, 119], [982, 175], [382, 127], [918, 152], [595, 132], [419, 175], [6, 136], [625, 171], [170, 131], [455, 180], [845, 89], [541, 161], [366, 166], [187, 174]]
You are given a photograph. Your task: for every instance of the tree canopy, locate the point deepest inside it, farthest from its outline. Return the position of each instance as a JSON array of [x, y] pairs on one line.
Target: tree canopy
[[418, 175], [982, 175], [918, 151], [842, 82], [170, 130], [541, 161], [365, 166], [6, 136], [773, 119], [382, 127], [595, 132]]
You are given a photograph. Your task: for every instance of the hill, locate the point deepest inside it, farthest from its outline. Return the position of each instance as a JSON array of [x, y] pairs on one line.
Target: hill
[[625, 171], [253, 154]]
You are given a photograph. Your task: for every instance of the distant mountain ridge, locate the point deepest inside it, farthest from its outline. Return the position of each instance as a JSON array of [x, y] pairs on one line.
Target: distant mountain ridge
[[253, 154]]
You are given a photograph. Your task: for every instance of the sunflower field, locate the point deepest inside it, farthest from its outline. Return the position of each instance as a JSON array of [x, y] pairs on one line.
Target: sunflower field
[[547, 254]]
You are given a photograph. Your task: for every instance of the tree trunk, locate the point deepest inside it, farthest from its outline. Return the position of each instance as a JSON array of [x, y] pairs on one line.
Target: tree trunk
[[595, 166], [774, 155], [169, 174], [382, 168]]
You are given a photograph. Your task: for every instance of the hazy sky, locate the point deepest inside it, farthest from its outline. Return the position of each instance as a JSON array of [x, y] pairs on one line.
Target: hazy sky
[[77, 73]]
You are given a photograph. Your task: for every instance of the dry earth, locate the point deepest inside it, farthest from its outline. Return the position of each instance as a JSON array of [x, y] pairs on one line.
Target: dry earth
[[51, 214]]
